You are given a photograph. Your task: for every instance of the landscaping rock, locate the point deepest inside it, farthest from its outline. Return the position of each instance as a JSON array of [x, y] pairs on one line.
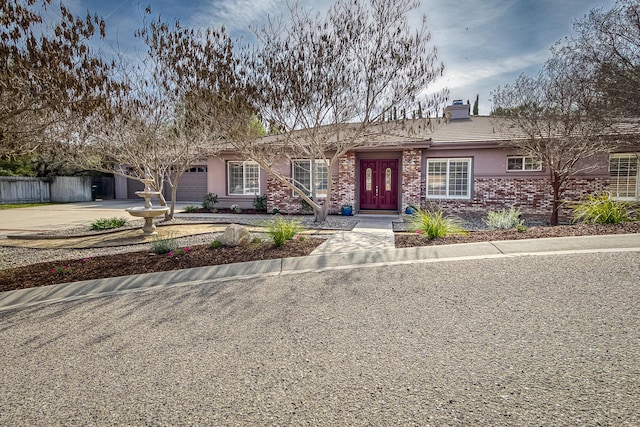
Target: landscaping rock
[[235, 235]]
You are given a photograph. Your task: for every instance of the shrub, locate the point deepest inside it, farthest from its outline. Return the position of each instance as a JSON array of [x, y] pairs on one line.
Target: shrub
[[256, 240], [163, 245], [434, 224], [178, 252], [602, 209], [108, 223], [275, 211], [210, 201], [216, 244], [305, 206], [260, 203], [190, 209], [503, 219], [282, 230], [61, 271]]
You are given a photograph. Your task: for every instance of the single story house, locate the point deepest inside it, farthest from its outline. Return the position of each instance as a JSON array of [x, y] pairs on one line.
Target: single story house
[[462, 165]]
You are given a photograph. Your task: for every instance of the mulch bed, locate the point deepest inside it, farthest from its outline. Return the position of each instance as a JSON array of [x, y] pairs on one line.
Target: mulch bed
[[51, 273], [408, 240]]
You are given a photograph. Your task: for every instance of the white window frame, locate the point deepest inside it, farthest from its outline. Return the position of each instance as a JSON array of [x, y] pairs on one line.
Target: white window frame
[[312, 184], [532, 161], [245, 191], [448, 162], [614, 190]]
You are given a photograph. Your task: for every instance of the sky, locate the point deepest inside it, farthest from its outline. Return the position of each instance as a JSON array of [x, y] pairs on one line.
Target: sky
[[483, 43]]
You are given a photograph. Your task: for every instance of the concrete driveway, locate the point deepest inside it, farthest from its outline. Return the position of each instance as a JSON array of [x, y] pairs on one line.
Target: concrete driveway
[[68, 215], [525, 340]]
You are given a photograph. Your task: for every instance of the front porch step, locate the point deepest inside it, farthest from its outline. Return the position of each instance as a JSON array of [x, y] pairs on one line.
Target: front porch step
[[377, 212]]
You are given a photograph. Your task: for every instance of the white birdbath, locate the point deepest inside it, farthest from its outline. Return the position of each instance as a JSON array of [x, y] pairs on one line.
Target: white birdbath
[[148, 212]]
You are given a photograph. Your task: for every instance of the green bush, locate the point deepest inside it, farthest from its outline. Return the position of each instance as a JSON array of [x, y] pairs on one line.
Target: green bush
[[190, 209], [602, 209], [256, 240], [260, 203], [108, 223], [282, 230], [305, 206], [210, 201], [503, 219], [163, 245], [216, 244], [434, 224]]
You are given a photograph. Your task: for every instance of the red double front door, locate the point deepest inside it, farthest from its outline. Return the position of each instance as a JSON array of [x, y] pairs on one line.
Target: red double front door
[[379, 184]]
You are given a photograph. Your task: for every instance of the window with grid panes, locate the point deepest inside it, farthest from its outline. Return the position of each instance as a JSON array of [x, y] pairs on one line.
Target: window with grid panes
[[306, 180], [449, 178], [243, 178], [523, 163]]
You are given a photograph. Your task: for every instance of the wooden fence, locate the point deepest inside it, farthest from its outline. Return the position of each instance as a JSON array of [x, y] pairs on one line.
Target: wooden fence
[[18, 189]]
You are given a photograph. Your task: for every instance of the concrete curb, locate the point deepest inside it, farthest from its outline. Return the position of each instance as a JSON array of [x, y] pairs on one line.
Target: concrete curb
[[316, 263]]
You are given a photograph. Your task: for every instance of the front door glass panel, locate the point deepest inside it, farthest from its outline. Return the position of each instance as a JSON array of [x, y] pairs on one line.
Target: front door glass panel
[[387, 185]]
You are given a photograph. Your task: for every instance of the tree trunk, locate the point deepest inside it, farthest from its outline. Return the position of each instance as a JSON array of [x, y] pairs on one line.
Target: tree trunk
[[168, 215], [556, 202], [320, 213], [174, 196]]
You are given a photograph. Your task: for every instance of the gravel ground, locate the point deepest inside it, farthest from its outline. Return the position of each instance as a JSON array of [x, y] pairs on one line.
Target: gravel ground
[[512, 341], [16, 257]]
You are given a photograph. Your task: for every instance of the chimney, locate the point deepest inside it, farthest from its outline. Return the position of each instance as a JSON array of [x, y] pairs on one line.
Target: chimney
[[457, 111]]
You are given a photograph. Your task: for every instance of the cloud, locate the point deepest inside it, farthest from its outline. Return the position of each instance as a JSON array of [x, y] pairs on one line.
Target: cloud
[[236, 15]]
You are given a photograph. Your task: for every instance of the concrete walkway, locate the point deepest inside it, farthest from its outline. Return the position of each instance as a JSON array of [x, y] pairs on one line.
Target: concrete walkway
[[373, 232]]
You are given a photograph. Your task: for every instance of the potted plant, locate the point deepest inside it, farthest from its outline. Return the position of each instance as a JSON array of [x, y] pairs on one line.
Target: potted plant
[[410, 210], [347, 210]]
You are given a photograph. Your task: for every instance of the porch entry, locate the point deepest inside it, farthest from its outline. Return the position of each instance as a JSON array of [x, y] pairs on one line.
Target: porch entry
[[379, 184]]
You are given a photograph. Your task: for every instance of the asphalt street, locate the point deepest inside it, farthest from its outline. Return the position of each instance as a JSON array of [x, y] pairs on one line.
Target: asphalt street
[[525, 340]]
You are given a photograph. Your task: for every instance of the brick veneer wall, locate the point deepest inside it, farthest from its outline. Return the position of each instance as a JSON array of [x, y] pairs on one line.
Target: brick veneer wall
[[532, 196], [412, 187], [344, 189], [281, 197]]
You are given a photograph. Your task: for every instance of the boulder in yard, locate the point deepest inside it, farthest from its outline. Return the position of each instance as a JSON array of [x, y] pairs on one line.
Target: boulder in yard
[[235, 235]]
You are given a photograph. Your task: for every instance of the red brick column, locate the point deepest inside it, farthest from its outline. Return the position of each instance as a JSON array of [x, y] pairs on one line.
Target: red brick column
[[345, 193], [411, 172]]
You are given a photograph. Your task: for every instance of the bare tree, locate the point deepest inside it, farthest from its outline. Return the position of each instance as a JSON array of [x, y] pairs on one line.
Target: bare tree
[[608, 41], [325, 84], [49, 75], [555, 117], [183, 106]]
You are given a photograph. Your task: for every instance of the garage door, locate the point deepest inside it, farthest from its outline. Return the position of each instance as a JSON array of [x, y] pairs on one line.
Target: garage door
[[192, 186], [134, 185]]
